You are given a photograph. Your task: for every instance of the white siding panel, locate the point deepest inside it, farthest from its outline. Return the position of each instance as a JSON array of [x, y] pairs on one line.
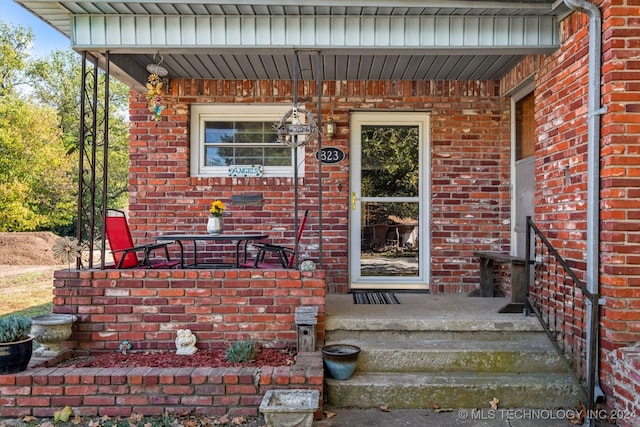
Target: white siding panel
[[113, 33], [352, 31], [471, 31], [501, 31], [233, 31], [412, 32], [164, 29], [248, 31], [204, 31], [457, 31], [128, 30], [293, 30], [397, 32], [338, 31], [323, 31], [98, 31], [428, 33], [278, 31], [316, 32], [307, 31], [218, 27], [442, 31], [517, 32], [486, 36], [189, 30], [367, 31]]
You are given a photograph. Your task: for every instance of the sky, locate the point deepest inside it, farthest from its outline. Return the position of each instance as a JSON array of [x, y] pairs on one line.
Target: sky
[[46, 38]]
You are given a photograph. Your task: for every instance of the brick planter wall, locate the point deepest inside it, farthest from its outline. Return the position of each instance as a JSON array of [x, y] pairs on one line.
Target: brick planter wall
[[146, 307], [152, 391]]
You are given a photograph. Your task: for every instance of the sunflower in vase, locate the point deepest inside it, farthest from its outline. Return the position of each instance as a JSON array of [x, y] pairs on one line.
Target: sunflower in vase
[[217, 207]]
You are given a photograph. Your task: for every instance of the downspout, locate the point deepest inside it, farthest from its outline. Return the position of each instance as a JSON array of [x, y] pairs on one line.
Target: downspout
[[593, 170]]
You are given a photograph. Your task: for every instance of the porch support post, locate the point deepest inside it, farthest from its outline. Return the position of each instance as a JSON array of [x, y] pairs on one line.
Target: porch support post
[[319, 80]]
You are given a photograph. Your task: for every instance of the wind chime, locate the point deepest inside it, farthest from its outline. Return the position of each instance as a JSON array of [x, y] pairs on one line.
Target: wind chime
[[155, 88]]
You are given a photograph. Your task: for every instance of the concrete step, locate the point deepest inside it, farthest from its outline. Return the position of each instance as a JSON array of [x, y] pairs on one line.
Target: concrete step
[[454, 390], [346, 335], [535, 355]]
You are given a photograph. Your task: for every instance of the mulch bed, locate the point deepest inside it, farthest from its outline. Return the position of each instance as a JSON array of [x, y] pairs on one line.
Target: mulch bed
[[203, 358]]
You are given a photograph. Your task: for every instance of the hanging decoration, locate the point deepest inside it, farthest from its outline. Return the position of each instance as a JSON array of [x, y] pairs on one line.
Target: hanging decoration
[[155, 88], [292, 130]]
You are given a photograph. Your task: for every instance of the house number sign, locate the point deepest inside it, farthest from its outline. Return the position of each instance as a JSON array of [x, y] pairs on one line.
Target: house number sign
[[330, 155]]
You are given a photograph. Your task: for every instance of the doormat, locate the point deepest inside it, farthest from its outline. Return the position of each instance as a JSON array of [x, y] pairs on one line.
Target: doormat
[[375, 298]]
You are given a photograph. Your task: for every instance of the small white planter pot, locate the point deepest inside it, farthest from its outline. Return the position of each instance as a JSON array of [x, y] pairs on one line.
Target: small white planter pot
[[290, 407], [50, 331]]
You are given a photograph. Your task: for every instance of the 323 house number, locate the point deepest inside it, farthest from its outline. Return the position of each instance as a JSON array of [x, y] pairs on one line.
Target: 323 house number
[[330, 155]]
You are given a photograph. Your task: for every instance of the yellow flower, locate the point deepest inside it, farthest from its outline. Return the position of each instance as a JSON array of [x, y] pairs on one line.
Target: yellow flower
[[216, 208]]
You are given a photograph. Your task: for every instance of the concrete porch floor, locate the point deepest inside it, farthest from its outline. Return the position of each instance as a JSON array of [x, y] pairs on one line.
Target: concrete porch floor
[[428, 311]]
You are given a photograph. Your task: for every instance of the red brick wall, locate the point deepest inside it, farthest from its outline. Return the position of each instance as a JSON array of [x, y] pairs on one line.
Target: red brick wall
[[235, 391], [470, 170], [148, 307], [561, 114], [627, 386]]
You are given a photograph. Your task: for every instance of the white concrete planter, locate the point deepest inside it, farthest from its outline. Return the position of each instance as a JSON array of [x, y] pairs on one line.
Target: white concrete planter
[[289, 407], [50, 331]]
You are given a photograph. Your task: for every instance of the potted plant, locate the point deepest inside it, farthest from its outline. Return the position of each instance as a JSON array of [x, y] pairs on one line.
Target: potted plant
[[15, 344]]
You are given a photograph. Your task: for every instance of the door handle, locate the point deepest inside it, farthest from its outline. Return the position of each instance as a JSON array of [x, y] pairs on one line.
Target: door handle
[[353, 200]]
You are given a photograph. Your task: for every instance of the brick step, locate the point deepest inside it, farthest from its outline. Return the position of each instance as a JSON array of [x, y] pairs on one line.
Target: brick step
[[454, 390]]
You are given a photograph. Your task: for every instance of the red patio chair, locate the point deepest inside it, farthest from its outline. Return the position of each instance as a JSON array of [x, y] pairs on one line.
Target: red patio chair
[[285, 255], [125, 253]]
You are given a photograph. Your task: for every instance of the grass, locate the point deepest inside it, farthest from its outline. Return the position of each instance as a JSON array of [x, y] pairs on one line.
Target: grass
[[28, 294]]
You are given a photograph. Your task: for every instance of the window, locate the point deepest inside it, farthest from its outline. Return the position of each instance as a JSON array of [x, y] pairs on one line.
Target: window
[[525, 127], [239, 135]]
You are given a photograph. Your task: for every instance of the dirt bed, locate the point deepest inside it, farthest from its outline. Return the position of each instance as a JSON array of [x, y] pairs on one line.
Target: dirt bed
[[28, 252]]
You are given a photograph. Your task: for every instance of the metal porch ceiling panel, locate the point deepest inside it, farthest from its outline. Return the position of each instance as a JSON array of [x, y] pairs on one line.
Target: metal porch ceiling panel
[[337, 67]]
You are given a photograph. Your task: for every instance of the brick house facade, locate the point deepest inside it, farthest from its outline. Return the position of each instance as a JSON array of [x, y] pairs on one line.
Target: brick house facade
[[470, 172], [470, 167]]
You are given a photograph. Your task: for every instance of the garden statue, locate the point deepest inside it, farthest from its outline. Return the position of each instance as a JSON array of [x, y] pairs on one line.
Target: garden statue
[[185, 342]]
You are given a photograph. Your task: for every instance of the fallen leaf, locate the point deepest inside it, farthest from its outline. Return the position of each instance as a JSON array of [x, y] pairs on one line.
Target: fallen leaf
[[93, 423], [238, 421], [494, 403], [27, 419], [223, 419], [434, 405], [62, 415], [385, 408], [77, 419], [577, 416], [47, 424], [136, 418], [329, 415]]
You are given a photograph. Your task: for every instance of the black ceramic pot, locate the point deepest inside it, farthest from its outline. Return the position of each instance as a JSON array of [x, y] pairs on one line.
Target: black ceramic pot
[[15, 356]]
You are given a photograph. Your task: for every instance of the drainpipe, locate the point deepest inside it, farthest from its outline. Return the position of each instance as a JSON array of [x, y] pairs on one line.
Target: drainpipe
[[593, 169]]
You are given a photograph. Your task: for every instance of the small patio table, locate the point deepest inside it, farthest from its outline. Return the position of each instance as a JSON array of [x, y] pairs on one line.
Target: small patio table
[[240, 238]]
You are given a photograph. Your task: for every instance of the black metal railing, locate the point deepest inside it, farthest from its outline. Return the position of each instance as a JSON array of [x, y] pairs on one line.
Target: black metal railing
[[562, 303]]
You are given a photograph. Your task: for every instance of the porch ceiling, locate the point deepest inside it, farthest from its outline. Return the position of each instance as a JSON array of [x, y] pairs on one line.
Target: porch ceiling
[[358, 39]]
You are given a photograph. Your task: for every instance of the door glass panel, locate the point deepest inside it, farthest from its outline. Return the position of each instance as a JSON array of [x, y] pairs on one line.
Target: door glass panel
[[390, 161], [389, 239]]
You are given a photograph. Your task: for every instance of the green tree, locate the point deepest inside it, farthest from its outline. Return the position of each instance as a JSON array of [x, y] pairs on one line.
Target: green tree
[[36, 188], [15, 43]]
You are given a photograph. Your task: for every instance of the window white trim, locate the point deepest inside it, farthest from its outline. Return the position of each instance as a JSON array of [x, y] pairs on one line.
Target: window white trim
[[201, 113]]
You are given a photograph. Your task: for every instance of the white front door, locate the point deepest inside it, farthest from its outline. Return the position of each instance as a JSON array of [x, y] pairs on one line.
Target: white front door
[[389, 221]]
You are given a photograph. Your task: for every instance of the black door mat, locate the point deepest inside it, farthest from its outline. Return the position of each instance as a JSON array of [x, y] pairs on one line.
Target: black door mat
[[375, 298]]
